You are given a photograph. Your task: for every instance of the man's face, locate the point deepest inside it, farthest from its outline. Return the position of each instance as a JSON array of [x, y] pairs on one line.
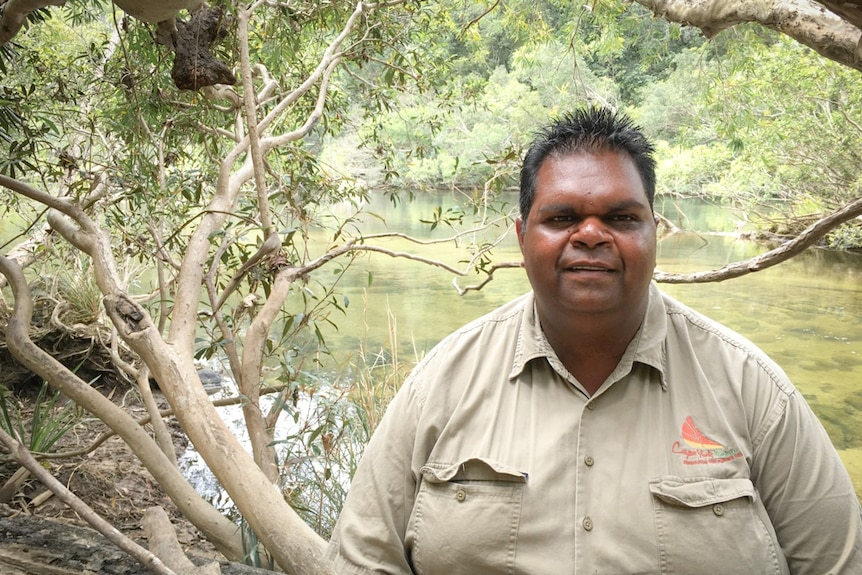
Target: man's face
[[589, 242]]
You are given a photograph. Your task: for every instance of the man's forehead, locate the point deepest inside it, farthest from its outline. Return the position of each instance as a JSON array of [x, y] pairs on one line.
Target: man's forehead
[[584, 167]]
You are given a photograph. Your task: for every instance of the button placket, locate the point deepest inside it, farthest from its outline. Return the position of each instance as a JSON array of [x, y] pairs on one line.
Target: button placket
[[588, 460]]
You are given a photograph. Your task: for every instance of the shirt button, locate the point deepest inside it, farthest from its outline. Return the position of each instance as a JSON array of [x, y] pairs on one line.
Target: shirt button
[[588, 524], [718, 509], [460, 495], [591, 405], [588, 461]]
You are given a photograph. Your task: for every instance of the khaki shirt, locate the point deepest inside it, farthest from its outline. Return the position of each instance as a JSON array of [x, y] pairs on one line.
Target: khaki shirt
[[696, 456]]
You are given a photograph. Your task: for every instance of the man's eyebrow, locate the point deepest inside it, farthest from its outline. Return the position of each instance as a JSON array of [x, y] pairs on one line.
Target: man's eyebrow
[[628, 205], [566, 208]]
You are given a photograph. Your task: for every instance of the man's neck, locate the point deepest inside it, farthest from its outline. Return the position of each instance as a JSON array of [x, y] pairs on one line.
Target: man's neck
[[591, 347]]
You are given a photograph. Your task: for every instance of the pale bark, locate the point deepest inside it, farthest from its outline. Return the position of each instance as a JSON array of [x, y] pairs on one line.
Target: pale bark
[[14, 14], [806, 21], [291, 542], [260, 426], [261, 435], [160, 428], [162, 541], [215, 527]]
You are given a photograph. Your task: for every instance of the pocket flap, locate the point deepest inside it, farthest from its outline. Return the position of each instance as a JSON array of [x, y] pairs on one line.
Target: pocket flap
[[473, 469], [701, 491]]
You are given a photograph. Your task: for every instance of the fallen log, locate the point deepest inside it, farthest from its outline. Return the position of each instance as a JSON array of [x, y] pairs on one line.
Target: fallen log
[[31, 545]]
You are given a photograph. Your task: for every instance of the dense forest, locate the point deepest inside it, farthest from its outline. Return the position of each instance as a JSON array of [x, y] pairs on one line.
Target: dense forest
[[737, 118], [202, 147]]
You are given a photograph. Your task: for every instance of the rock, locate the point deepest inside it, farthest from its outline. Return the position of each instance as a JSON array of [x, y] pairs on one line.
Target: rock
[[211, 380]]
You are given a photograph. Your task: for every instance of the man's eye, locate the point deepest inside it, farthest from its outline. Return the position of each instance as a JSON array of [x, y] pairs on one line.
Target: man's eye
[[623, 218]]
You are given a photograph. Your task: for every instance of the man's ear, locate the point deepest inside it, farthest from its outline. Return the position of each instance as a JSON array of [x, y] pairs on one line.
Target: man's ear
[[519, 230]]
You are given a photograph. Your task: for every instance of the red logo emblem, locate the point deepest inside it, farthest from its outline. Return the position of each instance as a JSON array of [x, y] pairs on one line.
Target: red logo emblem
[[696, 448]]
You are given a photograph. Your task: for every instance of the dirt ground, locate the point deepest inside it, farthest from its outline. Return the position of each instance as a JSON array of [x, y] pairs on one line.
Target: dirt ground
[[109, 479]]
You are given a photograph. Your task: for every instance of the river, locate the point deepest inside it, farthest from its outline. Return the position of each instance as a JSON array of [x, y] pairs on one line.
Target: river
[[806, 313]]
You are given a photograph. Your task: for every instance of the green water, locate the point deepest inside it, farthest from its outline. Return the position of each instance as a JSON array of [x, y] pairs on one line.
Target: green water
[[806, 313]]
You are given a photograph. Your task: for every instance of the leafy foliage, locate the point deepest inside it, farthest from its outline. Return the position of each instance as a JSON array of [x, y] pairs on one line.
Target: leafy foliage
[[48, 422], [623, 41], [783, 143]]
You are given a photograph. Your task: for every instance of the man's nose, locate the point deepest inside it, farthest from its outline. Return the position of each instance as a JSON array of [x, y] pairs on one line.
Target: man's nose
[[590, 232]]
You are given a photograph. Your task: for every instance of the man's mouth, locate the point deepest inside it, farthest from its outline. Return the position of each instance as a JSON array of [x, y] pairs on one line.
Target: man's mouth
[[588, 269]]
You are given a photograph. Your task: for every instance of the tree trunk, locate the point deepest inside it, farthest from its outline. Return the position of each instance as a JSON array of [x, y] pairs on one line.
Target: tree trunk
[[806, 21]]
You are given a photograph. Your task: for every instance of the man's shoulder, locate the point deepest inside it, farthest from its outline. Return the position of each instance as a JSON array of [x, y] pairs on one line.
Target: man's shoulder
[[707, 336], [489, 341]]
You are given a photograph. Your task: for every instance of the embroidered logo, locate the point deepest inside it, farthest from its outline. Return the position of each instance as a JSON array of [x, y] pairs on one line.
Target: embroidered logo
[[698, 449]]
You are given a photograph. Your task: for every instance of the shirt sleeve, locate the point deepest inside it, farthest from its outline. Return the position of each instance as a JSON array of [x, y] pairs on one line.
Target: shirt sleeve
[[370, 531], [808, 494]]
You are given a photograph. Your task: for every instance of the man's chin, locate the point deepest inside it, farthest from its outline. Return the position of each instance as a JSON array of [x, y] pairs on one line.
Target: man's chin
[[585, 304]]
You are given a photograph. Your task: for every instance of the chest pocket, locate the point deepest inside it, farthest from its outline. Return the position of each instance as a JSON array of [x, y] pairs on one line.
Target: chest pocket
[[713, 526], [465, 518]]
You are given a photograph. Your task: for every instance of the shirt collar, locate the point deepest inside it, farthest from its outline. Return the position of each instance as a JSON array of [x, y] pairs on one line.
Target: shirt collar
[[651, 339], [532, 342], [647, 347]]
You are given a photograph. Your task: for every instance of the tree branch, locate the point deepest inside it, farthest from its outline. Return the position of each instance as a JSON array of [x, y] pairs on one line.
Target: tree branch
[[805, 21], [15, 12], [217, 528], [326, 61], [243, 16], [490, 277], [162, 539], [782, 253], [269, 246], [20, 454], [787, 250]]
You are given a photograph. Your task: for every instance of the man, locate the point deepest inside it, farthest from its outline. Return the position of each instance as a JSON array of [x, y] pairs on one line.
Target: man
[[596, 425]]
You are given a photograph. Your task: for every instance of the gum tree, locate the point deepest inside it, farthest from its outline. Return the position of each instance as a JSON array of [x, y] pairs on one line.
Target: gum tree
[[186, 146], [209, 179]]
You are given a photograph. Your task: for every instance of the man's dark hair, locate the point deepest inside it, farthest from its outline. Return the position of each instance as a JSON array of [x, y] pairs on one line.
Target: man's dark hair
[[592, 129]]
